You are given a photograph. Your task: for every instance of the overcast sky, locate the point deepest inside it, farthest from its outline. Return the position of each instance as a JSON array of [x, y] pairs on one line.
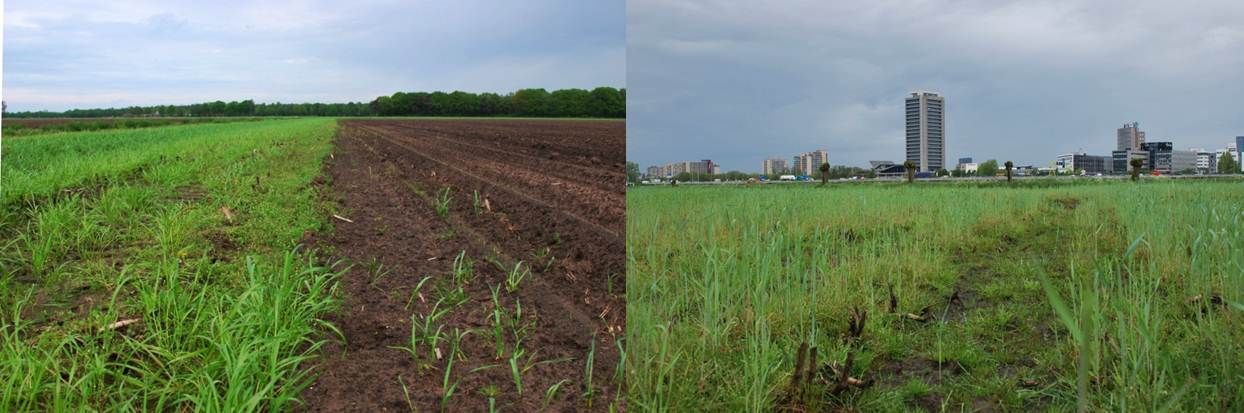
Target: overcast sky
[[1024, 80], [79, 54]]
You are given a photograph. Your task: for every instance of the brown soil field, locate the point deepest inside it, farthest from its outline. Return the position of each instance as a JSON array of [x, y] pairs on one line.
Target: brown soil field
[[552, 195]]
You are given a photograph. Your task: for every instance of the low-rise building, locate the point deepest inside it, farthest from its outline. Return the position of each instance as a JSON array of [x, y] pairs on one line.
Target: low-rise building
[[963, 162], [1119, 159], [1206, 162], [702, 167], [890, 170], [1065, 163], [1093, 164], [1085, 163], [1165, 159]]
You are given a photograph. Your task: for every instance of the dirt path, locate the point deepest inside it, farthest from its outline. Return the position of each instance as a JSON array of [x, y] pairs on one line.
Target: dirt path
[[564, 224]]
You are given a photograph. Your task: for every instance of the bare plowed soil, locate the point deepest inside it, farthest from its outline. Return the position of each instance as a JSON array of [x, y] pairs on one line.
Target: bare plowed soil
[[547, 193]]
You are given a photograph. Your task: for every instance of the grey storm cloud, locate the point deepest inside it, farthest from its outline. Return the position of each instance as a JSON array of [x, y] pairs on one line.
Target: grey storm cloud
[[1024, 80], [76, 54]]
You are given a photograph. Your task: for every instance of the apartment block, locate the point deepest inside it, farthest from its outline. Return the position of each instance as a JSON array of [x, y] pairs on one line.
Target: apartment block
[[773, 166], [809, 163]]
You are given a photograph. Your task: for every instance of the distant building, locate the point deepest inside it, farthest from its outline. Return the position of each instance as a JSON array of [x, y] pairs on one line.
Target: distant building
[[1206, 162], [1130, 137], [1239, 148], [705, 166], [1092, 164], [1119, 159], [890, 170], [1183, 161], [702, 167], [809, 163], [963, 162], [1231, 149], [1089, 164], [1065, 163], [877, 164], [654, 171], [926, 131], [774, 166], [1165, 159]]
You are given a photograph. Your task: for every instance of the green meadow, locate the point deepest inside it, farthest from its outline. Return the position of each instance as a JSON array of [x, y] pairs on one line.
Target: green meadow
[[159, 268], [959, 297]]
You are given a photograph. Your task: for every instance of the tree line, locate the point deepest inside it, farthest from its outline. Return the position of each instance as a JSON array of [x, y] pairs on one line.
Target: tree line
[[601, 102]]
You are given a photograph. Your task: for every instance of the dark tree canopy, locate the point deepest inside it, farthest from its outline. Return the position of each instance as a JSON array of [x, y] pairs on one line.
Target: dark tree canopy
[[601, 102]]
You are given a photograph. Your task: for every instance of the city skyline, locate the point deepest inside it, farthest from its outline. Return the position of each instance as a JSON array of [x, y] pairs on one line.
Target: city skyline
[[1130, 141], [834, 75]]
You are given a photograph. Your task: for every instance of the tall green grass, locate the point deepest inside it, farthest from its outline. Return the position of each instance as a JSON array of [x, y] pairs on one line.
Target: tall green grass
[[127, 286], [1081, 296]]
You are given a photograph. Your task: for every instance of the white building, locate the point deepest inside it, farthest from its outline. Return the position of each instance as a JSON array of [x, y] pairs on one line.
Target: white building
[[1206, 162], [1066, 162]]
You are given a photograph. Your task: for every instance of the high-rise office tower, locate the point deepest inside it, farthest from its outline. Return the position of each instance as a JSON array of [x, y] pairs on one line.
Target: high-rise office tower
[[926, 131]]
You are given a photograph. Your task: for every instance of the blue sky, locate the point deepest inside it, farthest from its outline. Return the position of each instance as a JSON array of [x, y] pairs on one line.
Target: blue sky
[[1024, 80], [78, 54]]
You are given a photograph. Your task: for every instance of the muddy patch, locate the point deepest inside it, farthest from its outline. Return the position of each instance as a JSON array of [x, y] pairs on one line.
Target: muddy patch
[[932, 372], [223, 246], [190, 193]]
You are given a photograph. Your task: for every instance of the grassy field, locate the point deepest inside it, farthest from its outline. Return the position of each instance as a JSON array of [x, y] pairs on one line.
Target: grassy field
[[158, 268], [892, 297]]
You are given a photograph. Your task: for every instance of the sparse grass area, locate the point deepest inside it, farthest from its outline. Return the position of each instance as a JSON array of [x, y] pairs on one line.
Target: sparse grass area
[[1110, 296], [157, 268]]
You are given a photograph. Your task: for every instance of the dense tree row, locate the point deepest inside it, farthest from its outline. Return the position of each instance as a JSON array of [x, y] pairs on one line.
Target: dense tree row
[[602, 102]]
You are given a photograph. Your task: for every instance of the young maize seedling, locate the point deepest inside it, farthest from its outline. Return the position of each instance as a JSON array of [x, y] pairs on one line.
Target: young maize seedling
[[516, 276], [442, 202]]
